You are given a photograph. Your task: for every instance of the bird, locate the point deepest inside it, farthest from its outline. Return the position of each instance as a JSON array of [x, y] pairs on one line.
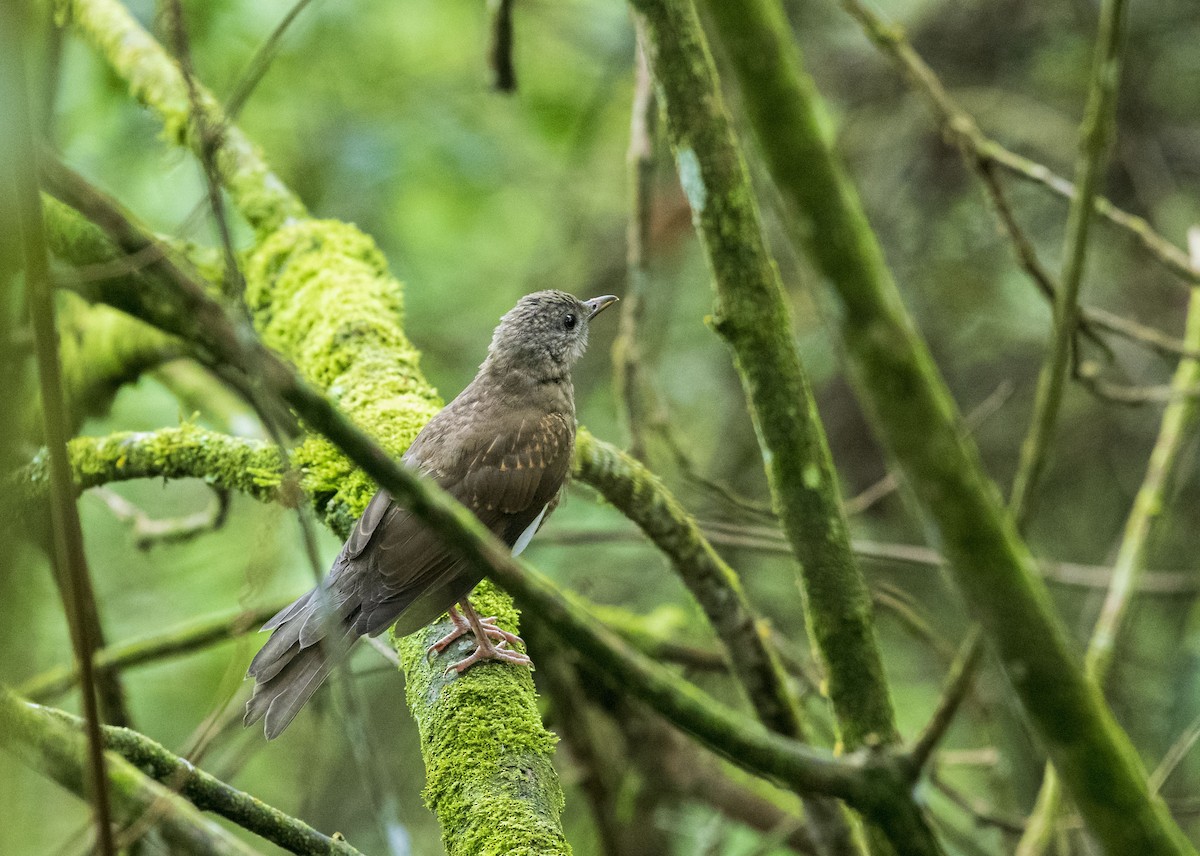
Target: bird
[[503, 448]]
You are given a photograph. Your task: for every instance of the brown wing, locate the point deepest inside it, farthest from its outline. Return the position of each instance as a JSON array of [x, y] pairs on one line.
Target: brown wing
[[393, 565]]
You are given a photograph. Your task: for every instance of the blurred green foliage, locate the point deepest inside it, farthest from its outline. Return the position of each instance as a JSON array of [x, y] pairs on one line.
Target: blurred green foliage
[[380, 114]]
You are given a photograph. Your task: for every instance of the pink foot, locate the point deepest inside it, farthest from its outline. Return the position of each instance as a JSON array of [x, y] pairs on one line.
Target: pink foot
[[488, 651], [462, 627], [491, 642]]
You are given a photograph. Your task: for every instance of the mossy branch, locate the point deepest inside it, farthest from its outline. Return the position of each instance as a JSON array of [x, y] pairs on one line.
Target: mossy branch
[[151, 783], [55, 749], [252, 467], [155, 79], [753, 319], [916, 417], [645, 500]]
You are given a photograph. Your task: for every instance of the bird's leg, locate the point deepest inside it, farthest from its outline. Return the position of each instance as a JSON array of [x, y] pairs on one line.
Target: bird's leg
[[485, 630], [462, 626]]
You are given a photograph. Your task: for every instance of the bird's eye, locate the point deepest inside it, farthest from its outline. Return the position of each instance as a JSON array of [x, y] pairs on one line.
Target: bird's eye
[[569, 321]]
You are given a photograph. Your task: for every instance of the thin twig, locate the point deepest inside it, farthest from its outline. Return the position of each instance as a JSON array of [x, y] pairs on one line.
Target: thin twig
[[885, 486], [958, 684], [185, 639], [1095, 134], [210, 137], [640, 164], [148, 531], [70, 561], [982, 814], [260, 63], [962, 129], [761, 539], [1026, 255], [1175, 755]]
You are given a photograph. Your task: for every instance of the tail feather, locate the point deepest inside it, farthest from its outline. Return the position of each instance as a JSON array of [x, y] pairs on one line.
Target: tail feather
[[287, 612], [288, 669], [280, 699]]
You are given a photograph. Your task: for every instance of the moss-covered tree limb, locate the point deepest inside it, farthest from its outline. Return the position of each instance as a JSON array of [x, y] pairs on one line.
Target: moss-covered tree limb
[[916, 417], [1098, 126], [151, 783], [1178, 425], [751, 316], [155, 79], [252, 467], [645, 500], [319, 293], [56, 749]]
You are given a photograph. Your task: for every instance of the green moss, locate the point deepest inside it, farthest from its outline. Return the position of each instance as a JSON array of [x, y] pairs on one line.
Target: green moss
[[485, 775], [320, 293], [234, 463]]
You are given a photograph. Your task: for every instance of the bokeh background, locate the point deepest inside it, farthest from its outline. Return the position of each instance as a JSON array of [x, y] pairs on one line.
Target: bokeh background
[[380, 113]]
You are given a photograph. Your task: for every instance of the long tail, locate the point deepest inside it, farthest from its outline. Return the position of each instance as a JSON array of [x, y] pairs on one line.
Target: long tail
[[295, 662]]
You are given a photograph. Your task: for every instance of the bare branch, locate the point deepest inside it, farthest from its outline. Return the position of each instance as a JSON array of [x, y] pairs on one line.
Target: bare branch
[[958, 684]]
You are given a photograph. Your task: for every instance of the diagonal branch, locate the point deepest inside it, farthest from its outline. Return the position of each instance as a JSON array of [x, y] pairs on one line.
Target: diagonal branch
[[149, 781], [54, 749], [916, 418], [958, 684], [750, 314], [1178, 425], [644, 499]]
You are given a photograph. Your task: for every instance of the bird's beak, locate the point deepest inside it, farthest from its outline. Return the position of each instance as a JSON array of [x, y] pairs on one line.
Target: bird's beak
[[597, 304]]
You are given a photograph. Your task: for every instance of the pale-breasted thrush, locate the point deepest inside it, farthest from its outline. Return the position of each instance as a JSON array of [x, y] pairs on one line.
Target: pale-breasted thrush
[[502, 448]]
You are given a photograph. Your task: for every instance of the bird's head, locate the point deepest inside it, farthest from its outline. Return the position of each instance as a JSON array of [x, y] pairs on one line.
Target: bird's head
[[545, 333]]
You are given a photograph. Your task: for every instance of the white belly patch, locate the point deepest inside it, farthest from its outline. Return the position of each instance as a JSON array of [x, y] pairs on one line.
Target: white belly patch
[[527, 535]]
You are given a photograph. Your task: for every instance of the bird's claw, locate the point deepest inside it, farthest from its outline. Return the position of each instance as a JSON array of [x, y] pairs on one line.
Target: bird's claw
[[462, 628], [488, 651]]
